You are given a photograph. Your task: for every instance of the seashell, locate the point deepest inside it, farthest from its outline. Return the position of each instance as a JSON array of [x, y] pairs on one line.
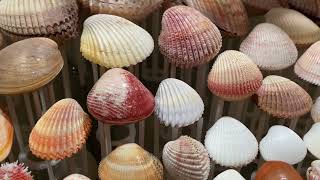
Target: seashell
[[282, 144], [76, 177], [310, 7], [283, 98], [311, 139], [188, 38], [301, 29], [269, 47], [130, 162], [277, 170], [313, 172], [234, 76], [14, 171], [177, 104], [265, 5], [228, 175], [315, 111], [6, 135], [2, 41], [61, 131], [226, 141], [38, 62], [118, 97], [124, 43], [186, 158]]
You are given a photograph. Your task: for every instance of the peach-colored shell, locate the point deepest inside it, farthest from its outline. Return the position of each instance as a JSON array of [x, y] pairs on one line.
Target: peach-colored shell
[[310, 7], [76, 177], [6, 135], [234, 76], [188, 38], [15, 171], [283, 98], [61, 131], [315, 111]]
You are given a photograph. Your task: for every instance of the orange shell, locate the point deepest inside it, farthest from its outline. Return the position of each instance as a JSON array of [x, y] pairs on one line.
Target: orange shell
[[6, 135], [277, 170]]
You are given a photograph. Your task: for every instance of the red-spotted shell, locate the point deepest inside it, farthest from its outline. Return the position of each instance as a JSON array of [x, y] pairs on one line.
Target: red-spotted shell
[[14, 171]]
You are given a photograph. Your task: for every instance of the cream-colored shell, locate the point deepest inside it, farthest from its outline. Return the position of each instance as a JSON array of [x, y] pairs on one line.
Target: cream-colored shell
[[315, 111], [312, 138], [229, 174], [76, 177]]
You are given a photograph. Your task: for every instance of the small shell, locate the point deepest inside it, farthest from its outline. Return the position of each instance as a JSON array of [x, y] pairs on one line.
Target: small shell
[[277, 170], [188, 38], [313, 172], [130, 162], [61, 131], [315, 111], [311, 139], [227, 140], [14, 171], [76, 177], [283, 98], [118, 97], [186, 158], [177, 104], [229, 174], [282, 144], [234, 76], [310, 7], [269, 47], [6, 135], [113, 41], [265, 5]]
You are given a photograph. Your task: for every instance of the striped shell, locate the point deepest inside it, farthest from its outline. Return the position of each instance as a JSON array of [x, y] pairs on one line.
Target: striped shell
[[177, 104], [234, 76], [277, 170], [118, 97], [283, 98], [76, 177], [315, 111], [130, 162], [229, 174], [313, 172], [310, 7], [311, 139], [282, 144], [188, 38], [113, 41], [269, 47], [61, 131], [227, 140], [265, 5], [14, 171], [186, 158], [6, 135]]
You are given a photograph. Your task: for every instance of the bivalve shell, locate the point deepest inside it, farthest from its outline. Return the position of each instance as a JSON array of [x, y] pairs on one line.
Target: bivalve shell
[[277, 170], [313, 172], [14, 171], [265, 5], [311, 139], [228, 175], [315, 111], [76, 177], [6, 135], [310, 7]]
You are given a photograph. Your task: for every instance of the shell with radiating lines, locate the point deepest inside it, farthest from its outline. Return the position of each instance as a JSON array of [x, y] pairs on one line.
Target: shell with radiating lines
[[6, 135], [311, 139], [310, 7], [15, 171], [313, 172], [228, 175], [76, 177], [315, 111], [277, 170]]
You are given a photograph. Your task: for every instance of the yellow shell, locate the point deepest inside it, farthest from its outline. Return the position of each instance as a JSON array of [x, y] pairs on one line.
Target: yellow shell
[[6, 135]]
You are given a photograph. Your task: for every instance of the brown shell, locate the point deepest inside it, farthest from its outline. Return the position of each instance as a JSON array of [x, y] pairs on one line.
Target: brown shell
[[6, 135], [265, 5], [2, 41], [277, 170], [310, 7]]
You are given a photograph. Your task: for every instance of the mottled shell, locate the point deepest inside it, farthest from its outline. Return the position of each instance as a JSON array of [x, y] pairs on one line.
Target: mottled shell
[[177, 104], [28, 65], [282, 144], [188, 38], [61, 131], [310, 7], [234, 76], [311, 139], [6, 135], [186, 158], [229, 174], [315, 111], [118, 97], [14, 171], [76, 177], [277, 170], [283, 98], [313, 172], [113, 41], [227, 140], [269, 47], [265, 5], [130, 162]]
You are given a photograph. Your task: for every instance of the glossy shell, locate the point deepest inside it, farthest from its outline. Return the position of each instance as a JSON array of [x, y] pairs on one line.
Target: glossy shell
[[313, 172], [14, 171], [277, 170], [76, 177], [315, 111], [311, 139], [228, 175], [6, 135], [310, 7]]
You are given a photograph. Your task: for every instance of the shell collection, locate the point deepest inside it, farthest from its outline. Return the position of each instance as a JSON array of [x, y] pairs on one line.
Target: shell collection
[[315, 111], [229, 174], [76, 177], [15, 171], [311, 139], [6, 135], [313, 172], [277, 170]]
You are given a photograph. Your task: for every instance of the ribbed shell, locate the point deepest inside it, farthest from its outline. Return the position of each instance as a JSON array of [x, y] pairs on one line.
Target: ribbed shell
[[130, 162], [282, 144], [28, 65], [310, 7], [6, 135], [76, 177], [227, 140], [311, 139], [118, 97], [283, 98], [234, 76], [315, 111], [186, 158], [113, 41], [301, 29], [265, 5], [313, 172], [178, 104], [229, 174], [188, 38], [61, 131], [277, 170], [14, 171], [269, 47]]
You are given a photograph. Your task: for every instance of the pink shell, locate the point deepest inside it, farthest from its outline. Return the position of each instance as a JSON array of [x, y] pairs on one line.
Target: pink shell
[[14, 171]]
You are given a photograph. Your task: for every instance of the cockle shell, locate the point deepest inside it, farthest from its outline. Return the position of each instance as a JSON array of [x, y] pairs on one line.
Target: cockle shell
[[269, 47], [227, 140], [76, 177], [283, 98], [188, 38], [14, 171], [229, 174], [186, 158], [61, 131], [113, 41], [310, 7], [130, 162], [234, 76], [301, 29], [311, 139], [277, 170], [315, 111], [177, 104], [6, 135], [282, 144], [265, 5], [313, 172], [118, 97]]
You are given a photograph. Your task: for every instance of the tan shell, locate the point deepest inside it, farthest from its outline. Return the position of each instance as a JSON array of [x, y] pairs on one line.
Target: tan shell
[[315, 111], [6, 135], [310, 7]]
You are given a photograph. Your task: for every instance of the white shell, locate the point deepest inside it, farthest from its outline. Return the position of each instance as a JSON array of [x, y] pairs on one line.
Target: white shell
[[282, 144], [230, 143], [312, 139], [76, 177], [229, 174], [177, 104], [315, 111]]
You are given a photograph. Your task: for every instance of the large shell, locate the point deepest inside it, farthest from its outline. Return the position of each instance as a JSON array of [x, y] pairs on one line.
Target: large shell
[[277, 170], [227, 140], [61, 131], [177, 104], [311, 139], [300, 28], [37, 62], [313, 172], [118, 97], [234, 76], [188, 38], [14, 171], [310, 7], [269, 47], [6, 135], [315, 111], [113, 41], [186, 158], [76, 177], [283, 98], [282, 144], [265, 5], [130, 162], [228, 175]]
